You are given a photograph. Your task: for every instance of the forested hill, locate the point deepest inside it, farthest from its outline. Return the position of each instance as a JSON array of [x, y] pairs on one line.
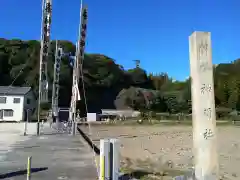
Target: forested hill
[[108, 85]]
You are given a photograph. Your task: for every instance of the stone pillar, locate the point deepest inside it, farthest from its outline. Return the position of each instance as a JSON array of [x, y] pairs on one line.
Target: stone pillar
[[203, 107]]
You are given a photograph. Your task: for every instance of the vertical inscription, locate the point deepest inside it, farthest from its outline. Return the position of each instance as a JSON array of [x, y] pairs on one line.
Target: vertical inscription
[[204, 66], [203, 49], [202, 53], [208, 113], [206, 88], [208, 133]]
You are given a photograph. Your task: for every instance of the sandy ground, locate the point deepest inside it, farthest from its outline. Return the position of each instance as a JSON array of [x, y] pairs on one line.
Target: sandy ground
[[164, 145]]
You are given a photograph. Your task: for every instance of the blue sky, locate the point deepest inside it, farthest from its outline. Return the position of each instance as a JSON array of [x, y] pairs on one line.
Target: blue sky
[[153, 31]]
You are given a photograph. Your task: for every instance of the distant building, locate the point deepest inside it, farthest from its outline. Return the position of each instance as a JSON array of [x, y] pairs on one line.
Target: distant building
[[114, 112], [63, 113], [16, 103]]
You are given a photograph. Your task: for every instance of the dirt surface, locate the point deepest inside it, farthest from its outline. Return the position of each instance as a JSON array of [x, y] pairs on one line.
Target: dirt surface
[[168, 147]]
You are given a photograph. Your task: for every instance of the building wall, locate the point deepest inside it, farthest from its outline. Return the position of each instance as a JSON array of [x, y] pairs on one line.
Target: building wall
[[27, 103], [30, 105], [10, 105], [126, 113]]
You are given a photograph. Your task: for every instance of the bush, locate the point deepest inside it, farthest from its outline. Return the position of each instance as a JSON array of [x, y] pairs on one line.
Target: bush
[[45, 106], [222, 113]]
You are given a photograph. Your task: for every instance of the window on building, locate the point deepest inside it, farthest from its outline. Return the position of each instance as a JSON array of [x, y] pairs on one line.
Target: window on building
[[28, 101], [8, 112], [16, 100], [3, 100]]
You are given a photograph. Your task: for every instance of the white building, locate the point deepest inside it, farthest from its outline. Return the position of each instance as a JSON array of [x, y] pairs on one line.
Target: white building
[[125, 113], [16, 103]]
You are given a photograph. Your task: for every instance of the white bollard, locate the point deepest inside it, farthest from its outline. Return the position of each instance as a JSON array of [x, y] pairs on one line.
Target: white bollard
[[114, 157], [104, 159]]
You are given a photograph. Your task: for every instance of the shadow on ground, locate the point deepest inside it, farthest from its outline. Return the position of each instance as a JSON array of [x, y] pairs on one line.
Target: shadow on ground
[[135, 174], [21, 172], [139, 174], [88, 140]]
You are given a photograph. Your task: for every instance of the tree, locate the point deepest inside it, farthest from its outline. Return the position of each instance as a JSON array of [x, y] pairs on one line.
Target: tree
[[105, 80]]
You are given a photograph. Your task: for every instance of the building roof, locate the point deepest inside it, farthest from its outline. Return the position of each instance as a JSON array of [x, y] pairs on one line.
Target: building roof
[[14, 90]]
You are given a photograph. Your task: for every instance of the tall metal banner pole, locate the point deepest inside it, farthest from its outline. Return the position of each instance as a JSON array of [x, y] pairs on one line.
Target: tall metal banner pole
[[80, 48], [75, 65], [45, 43], [55, 92]]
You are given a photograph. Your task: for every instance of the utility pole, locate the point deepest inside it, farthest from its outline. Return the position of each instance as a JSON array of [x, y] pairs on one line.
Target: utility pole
[[44, 52], [137, 63], [77, 69], [55, 91]]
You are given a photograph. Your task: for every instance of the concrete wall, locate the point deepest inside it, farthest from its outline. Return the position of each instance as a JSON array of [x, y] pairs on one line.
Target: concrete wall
[[30, 107], [19, 109], [16, 107], [126, 113], [18, 128]]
